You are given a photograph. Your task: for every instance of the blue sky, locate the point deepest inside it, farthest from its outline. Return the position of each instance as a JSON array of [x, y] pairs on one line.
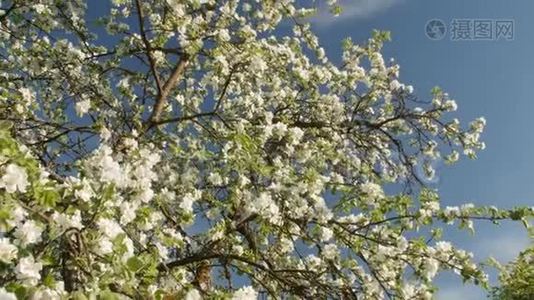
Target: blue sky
[[494, 79]]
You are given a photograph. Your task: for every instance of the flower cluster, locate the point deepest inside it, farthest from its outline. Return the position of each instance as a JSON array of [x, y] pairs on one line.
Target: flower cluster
[[194, 151]]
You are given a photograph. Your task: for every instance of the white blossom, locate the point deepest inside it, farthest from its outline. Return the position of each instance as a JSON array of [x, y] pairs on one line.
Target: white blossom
[[17, 217], [330, 251], [5, 295], [258, 65], [130, 250], [443, 246], [215, 179], [104, 246], [14, 179], [238, 249], [45, 294], [145, 196], [243, 144], [85, 193], [265, 206], [66, 221], [105, 134], [110, 228], [245, 293], [82, 107], [28, 270], [431, 268], [111, 171], [326, 234], [28, 233], [8, 251], [193, 294], [187, 202], [128, 210], [452, 211], [451, 105], [373, 190]]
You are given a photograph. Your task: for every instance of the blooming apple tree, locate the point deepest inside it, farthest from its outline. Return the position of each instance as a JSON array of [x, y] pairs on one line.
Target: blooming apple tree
[[516, 278], [210, 149]]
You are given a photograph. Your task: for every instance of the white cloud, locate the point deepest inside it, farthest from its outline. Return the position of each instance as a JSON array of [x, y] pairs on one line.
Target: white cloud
[[502, 242], [503, 248], [460, 291], [354, 9], [498, 243]]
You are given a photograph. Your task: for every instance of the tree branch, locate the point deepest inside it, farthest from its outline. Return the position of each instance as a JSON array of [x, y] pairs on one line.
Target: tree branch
[[161, 99], [183, 118], [148, 47]]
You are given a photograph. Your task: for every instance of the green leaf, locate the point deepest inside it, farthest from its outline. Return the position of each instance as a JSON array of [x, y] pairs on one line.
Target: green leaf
[[436, 91], [108, 295], [49, 281], [336, 10], [46, 196], [78, 296], [135, 264]]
